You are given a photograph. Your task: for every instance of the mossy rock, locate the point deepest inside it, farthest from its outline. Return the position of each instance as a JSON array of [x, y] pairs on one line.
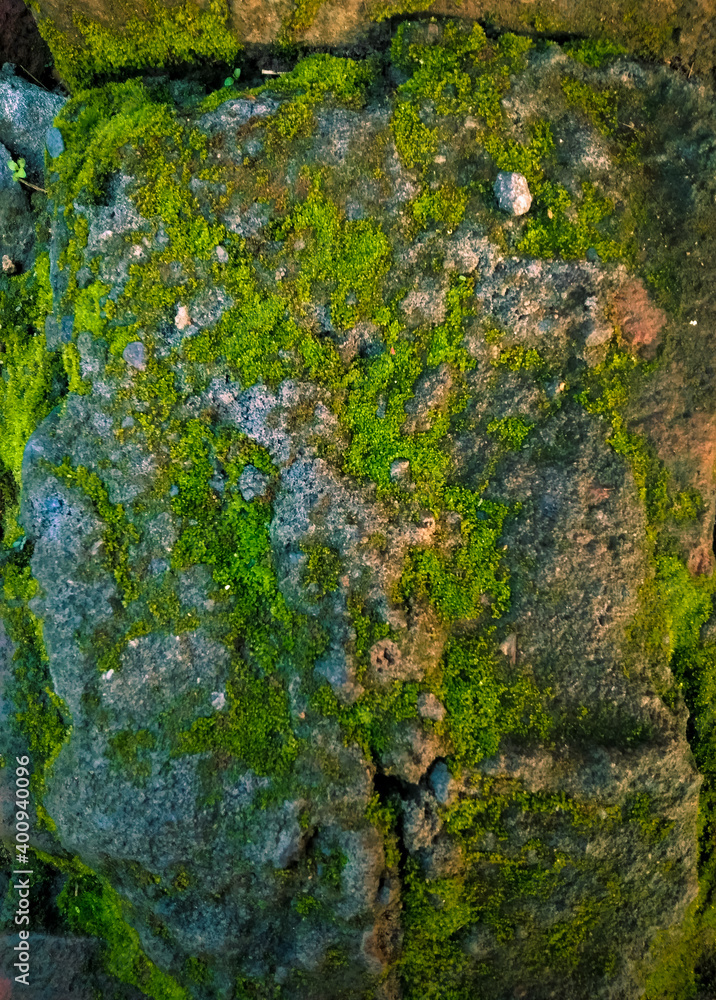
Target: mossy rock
[[402, 711]]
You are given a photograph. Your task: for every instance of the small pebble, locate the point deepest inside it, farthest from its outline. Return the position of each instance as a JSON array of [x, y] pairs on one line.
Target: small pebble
[[135, 354], [512, 193], [54, 143]]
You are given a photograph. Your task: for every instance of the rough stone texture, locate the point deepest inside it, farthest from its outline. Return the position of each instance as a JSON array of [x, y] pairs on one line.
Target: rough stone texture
[[63, 967], [17, 223], [26, 113], [231, 858], [513, 193]]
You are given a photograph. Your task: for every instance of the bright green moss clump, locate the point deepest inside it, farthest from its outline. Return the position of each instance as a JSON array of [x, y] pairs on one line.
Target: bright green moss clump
[[593, 51], [90, 906], [462, 73], [416, 143], [317, 76], [41, 717], [30, 377], [599, 105], [446, 205], [483, 704], [511, 431], [183, 34], [455, 585], [351, 258]]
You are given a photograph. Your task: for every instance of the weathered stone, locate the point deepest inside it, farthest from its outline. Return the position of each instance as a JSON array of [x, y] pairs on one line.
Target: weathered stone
[[135, 354], [251, 791], [54, 143], [26, 113], [513, 193]]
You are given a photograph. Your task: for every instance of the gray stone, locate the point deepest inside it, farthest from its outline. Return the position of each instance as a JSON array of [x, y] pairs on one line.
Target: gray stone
[[400, 470], [513, 193], [253, 483], [135, 354], [442, 783], [430, 707], [58, 333], [26, 113], [54, 143], [17, 222]]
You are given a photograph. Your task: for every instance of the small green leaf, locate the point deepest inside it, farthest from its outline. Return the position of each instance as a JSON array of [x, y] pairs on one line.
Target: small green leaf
[[228, 82]]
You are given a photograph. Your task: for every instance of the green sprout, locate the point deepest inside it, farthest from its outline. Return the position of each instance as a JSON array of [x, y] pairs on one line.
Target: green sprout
[[18, 169], [231, 80]]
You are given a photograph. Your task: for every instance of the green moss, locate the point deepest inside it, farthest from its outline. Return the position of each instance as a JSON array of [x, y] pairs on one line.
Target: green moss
[[384, 817], [460, 74], [371, 720], [511, 431], [521, 359], [323, 569], [29, 383], [607, 388], [256, 727], [168, 37], [456, 584], [300, 19], [415, 142], [381, 10], [524, 159], [90, 906], [484, 704], [71, 361], [350, 259], [41, 717], [292, 121], [380, 386], [600, 106], [552, 233], [639, 809], [446, 205], [119, 532], [128, 752], [317, 77], [90, 314], [593, 51], [369, 629]]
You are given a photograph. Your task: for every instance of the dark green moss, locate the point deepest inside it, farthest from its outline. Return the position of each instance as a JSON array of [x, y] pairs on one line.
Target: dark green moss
[[119, 531], [128, 751], [322, 570]]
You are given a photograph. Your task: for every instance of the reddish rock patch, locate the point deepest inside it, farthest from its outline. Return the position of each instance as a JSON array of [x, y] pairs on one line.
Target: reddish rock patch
[[639, 320]]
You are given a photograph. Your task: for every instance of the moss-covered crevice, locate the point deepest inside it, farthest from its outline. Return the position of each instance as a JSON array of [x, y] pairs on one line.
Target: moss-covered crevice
[[166, 37]]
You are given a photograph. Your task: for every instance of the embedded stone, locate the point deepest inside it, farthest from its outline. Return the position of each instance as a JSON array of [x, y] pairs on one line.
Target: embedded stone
[[135, 354], [252, 483], [512, 193], [54, 143], [430, 707], [400, 470]]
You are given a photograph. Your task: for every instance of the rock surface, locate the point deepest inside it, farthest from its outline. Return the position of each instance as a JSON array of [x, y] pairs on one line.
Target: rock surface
[[366, 584]]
